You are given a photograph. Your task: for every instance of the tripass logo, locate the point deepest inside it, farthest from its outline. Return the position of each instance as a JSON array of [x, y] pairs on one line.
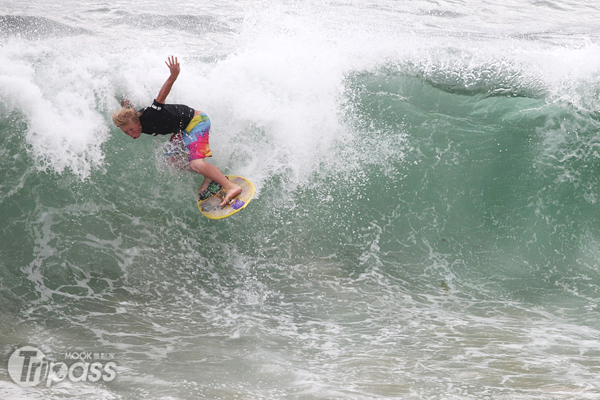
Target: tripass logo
[[28, 366]]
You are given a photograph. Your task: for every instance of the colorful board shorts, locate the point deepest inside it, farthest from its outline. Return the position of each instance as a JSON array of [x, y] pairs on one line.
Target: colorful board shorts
[[195, 137]]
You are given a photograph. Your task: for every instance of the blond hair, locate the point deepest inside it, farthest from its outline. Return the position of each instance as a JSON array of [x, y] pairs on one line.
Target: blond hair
[[126, 115]]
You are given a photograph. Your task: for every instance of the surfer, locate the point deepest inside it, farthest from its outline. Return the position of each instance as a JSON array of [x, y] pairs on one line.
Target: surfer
[[183, 123]]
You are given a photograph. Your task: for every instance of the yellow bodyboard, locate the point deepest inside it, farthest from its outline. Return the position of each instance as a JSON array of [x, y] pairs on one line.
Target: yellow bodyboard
[[210, 206]]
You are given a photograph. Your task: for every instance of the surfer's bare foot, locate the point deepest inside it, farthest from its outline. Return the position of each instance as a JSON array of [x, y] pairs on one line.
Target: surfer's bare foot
[[204, 185], [230, 192]]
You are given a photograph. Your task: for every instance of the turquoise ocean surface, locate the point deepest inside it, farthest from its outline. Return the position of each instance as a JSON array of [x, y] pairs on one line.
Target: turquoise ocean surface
[[426, 223]]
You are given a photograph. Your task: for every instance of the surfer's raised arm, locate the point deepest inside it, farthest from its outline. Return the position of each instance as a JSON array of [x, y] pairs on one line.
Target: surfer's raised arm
[[173, 65]]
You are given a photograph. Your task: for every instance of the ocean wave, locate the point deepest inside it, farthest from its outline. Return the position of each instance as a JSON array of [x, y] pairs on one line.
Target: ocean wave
[[193, 24], [33, 27]]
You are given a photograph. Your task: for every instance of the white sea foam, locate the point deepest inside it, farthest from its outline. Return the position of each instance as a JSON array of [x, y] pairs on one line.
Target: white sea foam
[[57, 95]]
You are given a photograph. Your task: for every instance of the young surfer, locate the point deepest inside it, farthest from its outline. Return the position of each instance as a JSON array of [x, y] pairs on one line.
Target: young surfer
[[177, 119]]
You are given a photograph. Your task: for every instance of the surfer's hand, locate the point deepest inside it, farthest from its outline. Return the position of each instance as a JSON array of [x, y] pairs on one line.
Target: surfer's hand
[[173, 65]]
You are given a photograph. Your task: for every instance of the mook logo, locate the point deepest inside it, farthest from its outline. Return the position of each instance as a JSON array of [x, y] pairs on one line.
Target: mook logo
[[28, 366]]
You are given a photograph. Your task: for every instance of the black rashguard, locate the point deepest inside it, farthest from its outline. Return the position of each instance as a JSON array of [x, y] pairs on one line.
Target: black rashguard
[[164, 119]]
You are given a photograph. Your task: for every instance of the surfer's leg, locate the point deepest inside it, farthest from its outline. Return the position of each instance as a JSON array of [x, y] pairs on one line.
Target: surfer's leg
[[211, 172], [195, 138]]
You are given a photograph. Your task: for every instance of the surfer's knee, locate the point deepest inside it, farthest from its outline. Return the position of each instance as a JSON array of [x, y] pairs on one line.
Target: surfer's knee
[[198, 165]]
